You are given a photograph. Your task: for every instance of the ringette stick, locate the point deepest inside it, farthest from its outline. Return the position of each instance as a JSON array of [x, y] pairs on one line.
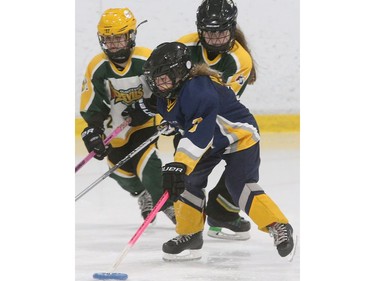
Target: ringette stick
[[123, 276], [106, 141], [161, 129]]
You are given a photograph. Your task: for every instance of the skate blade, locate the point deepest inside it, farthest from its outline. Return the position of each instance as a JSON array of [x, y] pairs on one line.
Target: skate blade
[[227, 234], [290, 257], [187, 255]]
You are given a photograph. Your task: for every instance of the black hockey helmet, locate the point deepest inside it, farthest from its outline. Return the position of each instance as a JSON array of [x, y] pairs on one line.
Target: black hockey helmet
[[172, 59], [217, 16]]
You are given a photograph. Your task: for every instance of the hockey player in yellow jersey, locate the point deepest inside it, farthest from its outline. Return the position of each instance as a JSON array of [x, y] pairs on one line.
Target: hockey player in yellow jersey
[[220, 44], [112, 90]]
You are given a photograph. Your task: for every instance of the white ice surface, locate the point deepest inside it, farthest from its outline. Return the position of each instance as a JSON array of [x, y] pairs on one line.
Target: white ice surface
[[107, 217]]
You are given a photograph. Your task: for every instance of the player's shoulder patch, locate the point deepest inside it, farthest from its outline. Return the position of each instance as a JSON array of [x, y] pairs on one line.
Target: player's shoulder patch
[[240, 79]]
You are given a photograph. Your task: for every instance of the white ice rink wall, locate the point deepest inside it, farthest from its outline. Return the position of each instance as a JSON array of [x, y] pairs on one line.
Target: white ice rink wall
[[270, 26]]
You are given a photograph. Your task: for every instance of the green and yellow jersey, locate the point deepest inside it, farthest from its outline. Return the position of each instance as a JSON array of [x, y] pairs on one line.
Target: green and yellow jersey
[[107, 91], [235, 66]]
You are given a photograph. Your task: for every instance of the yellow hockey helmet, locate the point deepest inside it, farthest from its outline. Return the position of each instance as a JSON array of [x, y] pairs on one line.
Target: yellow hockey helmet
[[116, 21], [116, 33]]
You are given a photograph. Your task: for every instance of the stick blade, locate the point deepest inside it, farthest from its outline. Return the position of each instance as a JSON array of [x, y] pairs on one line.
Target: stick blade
[[110, 276]]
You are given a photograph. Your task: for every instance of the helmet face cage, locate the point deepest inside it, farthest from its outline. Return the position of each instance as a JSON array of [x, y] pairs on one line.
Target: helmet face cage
[[216, 24], [170, 59], [116, 33], [118, 47]]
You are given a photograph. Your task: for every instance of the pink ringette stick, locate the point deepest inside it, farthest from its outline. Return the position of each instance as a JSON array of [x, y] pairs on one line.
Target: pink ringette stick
[[142, 228], [134, 239], [150, 217], [106, 141]]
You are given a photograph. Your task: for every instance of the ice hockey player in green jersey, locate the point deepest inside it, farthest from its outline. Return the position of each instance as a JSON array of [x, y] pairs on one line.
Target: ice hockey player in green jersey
[[220, 44], [112, 90]]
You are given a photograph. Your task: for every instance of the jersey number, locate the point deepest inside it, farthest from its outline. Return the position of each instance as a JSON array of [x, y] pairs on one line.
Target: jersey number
[[109, 123]]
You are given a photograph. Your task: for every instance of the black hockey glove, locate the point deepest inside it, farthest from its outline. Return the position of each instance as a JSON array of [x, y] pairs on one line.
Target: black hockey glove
[[93, 138], [174, 179], [140, 112]]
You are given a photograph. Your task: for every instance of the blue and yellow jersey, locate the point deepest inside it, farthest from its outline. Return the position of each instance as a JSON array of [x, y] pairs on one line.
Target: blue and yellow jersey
[[107, 91], [211, 117], [235, 66]]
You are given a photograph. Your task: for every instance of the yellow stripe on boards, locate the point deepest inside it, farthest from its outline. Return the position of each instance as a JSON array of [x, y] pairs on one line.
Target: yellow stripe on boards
[[278, 123], [281, 123]]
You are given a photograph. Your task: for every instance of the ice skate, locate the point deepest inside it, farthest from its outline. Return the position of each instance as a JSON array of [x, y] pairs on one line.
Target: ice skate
[[283, 239], [183, 248], [169, 212], [145, 204], [237, 229]]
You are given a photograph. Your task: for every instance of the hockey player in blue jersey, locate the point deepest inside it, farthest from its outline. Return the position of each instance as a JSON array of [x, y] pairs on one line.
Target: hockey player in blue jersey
[[221, 44], [216, 126]]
